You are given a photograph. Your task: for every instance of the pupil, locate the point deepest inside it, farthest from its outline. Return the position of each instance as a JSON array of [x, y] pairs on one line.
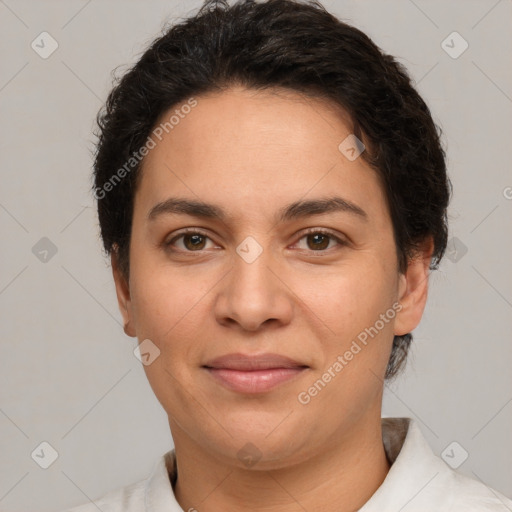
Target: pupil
[[317, 237], [195, 240]]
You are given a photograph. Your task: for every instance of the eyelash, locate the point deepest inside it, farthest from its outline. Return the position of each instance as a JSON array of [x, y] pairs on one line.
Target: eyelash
[[310, 231]]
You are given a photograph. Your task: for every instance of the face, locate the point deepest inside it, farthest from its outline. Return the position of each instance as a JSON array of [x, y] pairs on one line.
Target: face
[[295, 256]]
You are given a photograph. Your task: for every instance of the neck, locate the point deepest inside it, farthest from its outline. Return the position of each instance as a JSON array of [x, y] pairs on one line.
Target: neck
[[340, 478]]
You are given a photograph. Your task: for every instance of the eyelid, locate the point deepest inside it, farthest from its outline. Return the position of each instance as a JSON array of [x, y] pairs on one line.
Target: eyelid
[[186, 231], [340, 239], [325, 231]]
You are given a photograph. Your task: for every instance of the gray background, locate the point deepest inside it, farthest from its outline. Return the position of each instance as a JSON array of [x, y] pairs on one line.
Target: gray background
[[68, 373]]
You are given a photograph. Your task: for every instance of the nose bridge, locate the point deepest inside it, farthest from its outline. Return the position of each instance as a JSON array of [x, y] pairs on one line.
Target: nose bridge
[[252, 268], [252, 292]]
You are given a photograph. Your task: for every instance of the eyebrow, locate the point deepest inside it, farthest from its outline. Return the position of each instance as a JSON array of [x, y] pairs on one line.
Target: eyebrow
[[296, 210]]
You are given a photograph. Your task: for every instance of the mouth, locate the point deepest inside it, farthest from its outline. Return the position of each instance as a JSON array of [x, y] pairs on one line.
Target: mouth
[[253, 373]]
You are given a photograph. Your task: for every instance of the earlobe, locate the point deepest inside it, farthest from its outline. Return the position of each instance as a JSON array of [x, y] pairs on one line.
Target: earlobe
[[127, 328], [123, 294], [413, 290]]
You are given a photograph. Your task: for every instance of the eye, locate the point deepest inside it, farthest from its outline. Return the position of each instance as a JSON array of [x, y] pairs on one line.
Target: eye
[[319, 240], [192, 241]]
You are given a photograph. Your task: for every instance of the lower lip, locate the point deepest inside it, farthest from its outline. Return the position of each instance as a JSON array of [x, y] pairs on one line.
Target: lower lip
[[255, 381]]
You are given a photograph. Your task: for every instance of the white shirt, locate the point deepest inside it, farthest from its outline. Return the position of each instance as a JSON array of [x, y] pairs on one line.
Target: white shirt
[[418, 481]]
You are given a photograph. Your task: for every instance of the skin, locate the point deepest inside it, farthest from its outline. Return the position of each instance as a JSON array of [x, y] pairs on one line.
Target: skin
[[252, 153]]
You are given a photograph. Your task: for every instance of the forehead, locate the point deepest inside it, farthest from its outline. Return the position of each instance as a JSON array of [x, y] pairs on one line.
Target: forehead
[[240, 122], [256, 149]]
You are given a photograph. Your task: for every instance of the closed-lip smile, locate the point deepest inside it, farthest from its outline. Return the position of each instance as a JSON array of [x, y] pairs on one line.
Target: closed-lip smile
[[253, 373]]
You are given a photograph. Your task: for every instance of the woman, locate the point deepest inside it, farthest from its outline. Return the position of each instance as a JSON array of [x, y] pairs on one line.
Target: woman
[[272, 191]]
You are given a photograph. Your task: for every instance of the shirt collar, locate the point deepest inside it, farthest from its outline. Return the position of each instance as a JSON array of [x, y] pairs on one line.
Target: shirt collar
[[416, 477], [159, 493]]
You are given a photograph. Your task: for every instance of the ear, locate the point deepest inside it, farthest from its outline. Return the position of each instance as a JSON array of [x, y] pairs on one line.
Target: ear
[[413, 289], [123, 294]]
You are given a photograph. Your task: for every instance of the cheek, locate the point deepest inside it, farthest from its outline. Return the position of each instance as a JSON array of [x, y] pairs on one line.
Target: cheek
[[171, 312], [169, 307], [334, 301], [351, 305], [350, 298]]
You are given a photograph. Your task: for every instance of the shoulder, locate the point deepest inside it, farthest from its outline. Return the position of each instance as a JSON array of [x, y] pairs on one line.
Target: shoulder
[[420, 481], [125, 499], [155, 492], [469, 494]]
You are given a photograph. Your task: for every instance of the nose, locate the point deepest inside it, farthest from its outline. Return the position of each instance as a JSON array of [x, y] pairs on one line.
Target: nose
[[254, 294]]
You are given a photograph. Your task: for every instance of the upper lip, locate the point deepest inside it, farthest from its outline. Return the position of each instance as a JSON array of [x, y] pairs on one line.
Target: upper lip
[[248, 362]]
